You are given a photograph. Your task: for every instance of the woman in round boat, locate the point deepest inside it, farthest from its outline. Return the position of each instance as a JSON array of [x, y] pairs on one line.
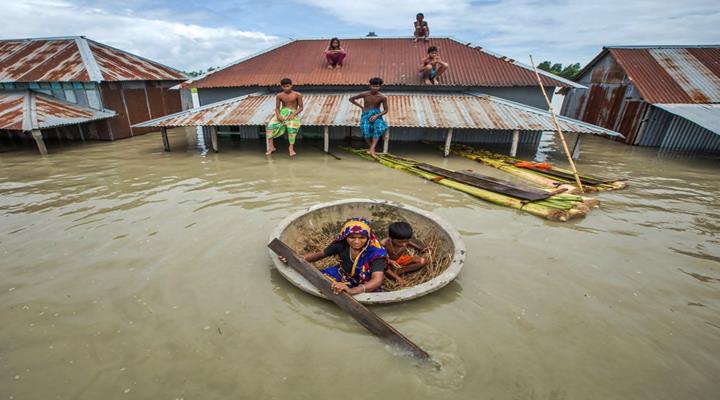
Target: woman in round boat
[[362, 259]]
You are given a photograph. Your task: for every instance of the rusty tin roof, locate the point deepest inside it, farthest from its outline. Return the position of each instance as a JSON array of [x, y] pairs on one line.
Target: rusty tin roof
[[467, 111], [75, 59], [28, 110], [396, 60], [670, 74]]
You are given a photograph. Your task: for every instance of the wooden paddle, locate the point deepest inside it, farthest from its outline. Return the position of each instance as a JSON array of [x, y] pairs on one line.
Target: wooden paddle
[[347, 303]]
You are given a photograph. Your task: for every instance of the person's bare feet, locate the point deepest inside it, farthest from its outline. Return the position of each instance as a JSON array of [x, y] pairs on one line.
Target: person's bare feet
[[270, 151], [338, 66], [292, 153], [428, 82], [372, 153], [434, 82], [330, 66]]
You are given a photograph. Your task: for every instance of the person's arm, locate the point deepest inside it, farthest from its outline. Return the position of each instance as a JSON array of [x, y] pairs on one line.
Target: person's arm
[[427, 30], [416, 245], [422, 66], [383, 112], [310, 257], [355, 98], [299, 107], [277, 108], [375, 282]]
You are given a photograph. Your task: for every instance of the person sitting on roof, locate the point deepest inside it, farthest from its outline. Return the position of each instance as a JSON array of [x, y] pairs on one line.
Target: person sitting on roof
[[372, 123], [432, 66], [335, 54], [362, 259], [422, 31], [288, 104]]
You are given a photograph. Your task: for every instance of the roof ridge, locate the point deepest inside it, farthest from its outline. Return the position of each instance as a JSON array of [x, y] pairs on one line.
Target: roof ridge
[[88, 58], [42, 38]]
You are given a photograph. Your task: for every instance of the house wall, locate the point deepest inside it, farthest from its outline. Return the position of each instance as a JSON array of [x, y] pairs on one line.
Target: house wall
[[135, 102], [671, 132], [610, 101]]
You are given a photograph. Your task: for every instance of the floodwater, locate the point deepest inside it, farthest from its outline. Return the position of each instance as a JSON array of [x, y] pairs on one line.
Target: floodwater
[[130, 273]]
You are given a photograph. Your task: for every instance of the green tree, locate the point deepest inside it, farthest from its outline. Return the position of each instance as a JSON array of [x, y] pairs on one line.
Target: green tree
[[569, 72]]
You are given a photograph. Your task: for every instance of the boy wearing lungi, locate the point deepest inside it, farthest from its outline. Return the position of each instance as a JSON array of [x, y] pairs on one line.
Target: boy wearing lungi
[[288, 104]]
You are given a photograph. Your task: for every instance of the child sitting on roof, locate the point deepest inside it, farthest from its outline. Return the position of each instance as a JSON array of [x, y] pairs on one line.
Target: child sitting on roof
[[335, 54], [362, 259], [422, 31], [432, 66], [372, 123], [400, 261], [288, 104]]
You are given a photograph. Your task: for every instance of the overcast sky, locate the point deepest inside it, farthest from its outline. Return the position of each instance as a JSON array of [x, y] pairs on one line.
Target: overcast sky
[[191, 35]]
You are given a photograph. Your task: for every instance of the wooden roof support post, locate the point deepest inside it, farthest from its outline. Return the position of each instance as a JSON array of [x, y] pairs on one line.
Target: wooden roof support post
[[166, 141], [326, 139], [386, 141], [448, 139], [515, 141], [81, 128], [576, 148], [37, 135], [213, 138]]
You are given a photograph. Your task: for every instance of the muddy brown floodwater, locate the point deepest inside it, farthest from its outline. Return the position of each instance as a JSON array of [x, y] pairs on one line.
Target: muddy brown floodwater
[[130, 273]]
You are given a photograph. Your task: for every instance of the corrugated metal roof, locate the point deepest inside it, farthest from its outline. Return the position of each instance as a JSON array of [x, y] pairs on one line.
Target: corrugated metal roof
[[28, 110], [672, 74], [469, 111], [75, 59], [396, 60], [704, 115]]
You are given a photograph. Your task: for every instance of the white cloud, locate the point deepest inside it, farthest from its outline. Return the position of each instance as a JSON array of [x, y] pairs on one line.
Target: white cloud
[[564, 31], [175, 43]]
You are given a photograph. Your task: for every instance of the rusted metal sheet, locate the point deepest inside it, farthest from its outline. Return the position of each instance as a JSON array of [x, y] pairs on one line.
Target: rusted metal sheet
[[406, 110], [28, 110], [118, 65], [396, 60], [12, 111], [61, 60], [672, 74], [112, 98]]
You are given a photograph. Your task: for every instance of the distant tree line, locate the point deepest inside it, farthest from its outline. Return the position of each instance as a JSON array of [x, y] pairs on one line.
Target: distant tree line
[[569, 72], [195, 74]]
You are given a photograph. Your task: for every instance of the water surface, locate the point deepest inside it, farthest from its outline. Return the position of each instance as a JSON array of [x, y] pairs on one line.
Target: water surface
[[128, 272]]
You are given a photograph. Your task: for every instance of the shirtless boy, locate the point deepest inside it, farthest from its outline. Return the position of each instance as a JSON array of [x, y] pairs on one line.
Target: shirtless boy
[[288, 104], [372, 124], [422, 31], [432, 66]]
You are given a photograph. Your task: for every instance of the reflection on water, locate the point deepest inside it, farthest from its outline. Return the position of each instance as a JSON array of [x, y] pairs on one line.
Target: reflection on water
[[131, 272]]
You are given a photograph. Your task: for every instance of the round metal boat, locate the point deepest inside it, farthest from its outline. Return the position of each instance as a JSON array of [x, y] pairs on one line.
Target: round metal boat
[[293, 230]]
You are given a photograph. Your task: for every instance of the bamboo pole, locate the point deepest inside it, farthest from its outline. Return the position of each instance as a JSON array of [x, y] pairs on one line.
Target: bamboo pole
[[557, 126], [448, 141], [515, 141]]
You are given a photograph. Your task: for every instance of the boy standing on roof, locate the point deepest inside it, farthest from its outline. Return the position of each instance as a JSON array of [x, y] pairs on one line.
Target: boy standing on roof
[[422, 31], [288, 104], [372, 123], [432, 66]]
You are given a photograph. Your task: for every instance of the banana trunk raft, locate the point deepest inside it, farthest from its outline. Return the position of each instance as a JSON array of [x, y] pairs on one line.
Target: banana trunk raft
[[547, 204], [541, 174]]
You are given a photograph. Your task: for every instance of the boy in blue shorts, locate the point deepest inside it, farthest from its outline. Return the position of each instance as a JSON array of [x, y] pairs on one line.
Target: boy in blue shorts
[[372, 124], [432, 66]]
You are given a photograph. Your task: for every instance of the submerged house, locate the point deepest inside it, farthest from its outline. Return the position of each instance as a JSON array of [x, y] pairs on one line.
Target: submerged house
[[482, 98], [657, 96], [77, 88]]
